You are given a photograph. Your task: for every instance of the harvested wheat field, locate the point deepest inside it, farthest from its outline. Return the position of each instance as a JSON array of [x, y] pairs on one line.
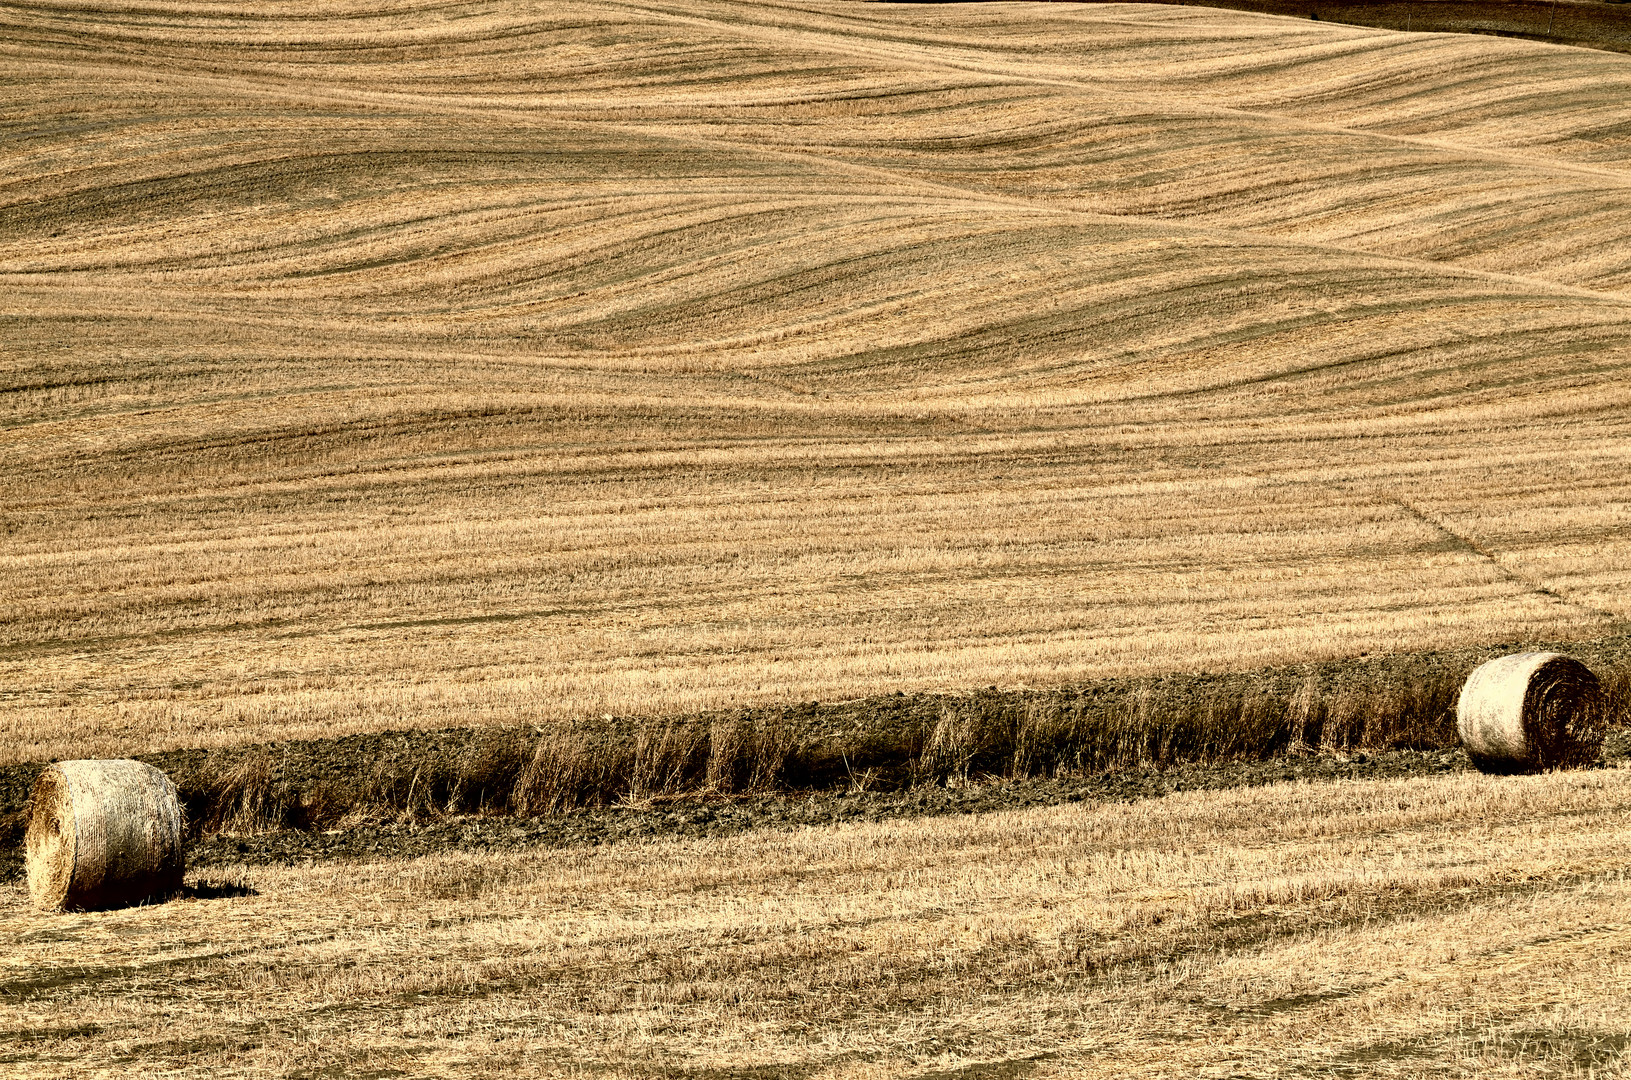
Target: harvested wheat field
[[1458, 926], [371, 366], [459, 377]]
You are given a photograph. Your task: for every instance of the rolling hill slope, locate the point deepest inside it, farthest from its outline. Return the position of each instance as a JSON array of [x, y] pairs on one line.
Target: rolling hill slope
[[372, 365]]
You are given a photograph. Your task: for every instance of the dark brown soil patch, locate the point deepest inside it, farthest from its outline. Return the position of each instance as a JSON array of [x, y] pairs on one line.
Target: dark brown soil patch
[[412, 792], [1585, 23], [702, 816]]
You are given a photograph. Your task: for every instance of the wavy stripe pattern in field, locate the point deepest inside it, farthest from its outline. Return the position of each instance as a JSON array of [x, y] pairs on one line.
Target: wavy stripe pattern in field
[[369, 365]]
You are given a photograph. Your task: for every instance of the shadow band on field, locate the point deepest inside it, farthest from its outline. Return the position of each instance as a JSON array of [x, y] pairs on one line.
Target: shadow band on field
[[1592, 25]]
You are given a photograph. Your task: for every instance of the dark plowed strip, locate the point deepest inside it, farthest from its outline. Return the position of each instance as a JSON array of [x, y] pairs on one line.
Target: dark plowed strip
[[701, 817], [1592, 25]]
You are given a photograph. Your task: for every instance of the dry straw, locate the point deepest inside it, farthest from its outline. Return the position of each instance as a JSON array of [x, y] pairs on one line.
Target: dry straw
[[1531, 711], [102, 834]]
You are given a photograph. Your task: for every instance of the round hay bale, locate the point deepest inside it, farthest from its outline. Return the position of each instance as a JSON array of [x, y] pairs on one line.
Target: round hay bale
[[102, 834], [1530, 711]]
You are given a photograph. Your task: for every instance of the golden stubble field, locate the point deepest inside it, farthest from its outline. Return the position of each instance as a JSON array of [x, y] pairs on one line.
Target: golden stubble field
[[371, 366], [1461, 926]]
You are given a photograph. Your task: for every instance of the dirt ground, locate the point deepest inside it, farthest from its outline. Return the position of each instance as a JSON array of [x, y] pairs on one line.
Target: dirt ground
[[856, 768], [702, 816], [1587, 24]]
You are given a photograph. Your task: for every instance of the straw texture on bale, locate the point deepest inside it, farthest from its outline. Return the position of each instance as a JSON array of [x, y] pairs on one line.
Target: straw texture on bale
[[102, 834], [1530, 711]]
